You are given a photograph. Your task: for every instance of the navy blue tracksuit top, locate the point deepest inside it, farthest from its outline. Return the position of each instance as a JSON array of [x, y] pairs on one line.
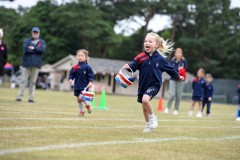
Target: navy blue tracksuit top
[[208, 90], [177, 64], [82, 74], [151, 69], [238, 91], [198, 87]]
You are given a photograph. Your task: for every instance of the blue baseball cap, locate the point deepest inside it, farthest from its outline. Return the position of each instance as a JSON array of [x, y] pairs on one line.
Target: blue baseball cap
[[35, 29]]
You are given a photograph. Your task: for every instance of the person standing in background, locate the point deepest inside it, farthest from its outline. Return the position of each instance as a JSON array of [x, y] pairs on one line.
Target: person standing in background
[[33, 50], [198, 86], [208, 95], [3, 55], [238, 109], [179, 63]]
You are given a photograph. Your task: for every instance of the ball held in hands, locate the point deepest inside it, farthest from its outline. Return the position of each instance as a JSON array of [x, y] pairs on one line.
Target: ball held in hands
[[181, 78]]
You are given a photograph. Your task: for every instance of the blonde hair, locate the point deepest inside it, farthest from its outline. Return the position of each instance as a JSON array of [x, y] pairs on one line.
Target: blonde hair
[[209, 76], [180, 50], [202, 70], [165, 46], [84, 51]]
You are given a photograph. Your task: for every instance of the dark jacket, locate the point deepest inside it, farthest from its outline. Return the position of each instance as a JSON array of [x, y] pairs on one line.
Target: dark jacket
[[209, 90], [3, 57], [177, 64], [82, 74], [151, 69], [198, 86], [238, 91], [33, 58]]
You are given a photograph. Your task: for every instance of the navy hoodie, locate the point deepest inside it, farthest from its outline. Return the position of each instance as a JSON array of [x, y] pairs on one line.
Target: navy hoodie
[[209, 90], [82, 74], [151, 69], [198, 86]]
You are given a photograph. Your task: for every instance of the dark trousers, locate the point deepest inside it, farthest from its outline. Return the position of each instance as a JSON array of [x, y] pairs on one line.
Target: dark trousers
[[206, 101], [238, 111]]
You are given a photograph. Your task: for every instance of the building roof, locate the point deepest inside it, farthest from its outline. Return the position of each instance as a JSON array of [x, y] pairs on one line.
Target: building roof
[[101, 65], [46, 68]]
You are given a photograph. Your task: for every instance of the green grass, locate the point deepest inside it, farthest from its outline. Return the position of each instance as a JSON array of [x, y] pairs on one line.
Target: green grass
[[116, 133]]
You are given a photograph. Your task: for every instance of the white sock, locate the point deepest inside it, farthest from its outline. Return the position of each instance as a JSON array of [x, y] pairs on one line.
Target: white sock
[[81, 107], [151, 115], [89, 103]]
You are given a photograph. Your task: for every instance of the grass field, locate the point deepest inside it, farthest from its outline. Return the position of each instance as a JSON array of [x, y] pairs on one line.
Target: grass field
[[52, 129]]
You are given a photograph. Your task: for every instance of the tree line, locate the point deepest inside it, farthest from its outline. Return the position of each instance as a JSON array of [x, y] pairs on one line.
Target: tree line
[[206, 30]]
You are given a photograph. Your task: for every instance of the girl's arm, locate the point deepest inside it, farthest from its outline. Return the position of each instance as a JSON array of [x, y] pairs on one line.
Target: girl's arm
[[212, 91], [71, 76], [194, 82], [170, 70], [133, 65]]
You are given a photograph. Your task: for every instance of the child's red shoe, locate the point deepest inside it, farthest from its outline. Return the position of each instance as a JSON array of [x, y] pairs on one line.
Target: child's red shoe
[[81, 113], [89, 108]]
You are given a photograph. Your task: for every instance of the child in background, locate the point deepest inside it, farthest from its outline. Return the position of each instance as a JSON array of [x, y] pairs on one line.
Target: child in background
[[151, 65], [208, 94], [83, 76], [198, 87], [238, 110]]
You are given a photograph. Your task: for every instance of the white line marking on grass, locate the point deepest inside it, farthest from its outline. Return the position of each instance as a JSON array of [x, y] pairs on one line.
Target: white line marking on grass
[[108, 127], [104, 143], [112, 119], [74, 119], [53, 113], [66, 127], [37, 113], [115, 119]]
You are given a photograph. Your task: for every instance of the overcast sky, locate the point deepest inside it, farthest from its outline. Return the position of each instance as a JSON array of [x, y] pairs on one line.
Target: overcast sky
[[154, 23], [29, 3]]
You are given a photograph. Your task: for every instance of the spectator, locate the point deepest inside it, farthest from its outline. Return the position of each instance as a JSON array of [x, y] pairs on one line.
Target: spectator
[[33, 50], [179, 63], [3, 54], [238, 109]]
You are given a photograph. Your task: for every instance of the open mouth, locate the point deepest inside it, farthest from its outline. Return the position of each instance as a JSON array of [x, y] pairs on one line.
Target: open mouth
[[147, 47]]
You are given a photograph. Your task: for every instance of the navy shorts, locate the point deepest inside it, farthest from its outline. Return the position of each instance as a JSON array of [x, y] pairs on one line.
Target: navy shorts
[[197, 98], [151, 91], [77, 92]]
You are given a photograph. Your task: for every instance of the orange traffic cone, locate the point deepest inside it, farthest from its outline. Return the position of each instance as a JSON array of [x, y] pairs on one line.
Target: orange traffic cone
[[160, 107]]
